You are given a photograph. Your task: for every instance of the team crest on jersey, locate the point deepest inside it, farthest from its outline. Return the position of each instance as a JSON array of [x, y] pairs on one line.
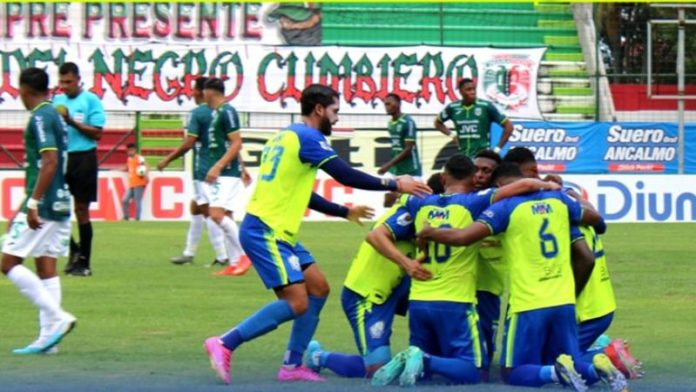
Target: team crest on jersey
[[507, 80], [477, 112], [325, 145], [488, 214], [377, 330], [404, 219], [294, 262]]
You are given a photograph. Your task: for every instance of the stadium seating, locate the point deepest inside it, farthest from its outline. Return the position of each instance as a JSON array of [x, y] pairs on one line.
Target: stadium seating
[[160, 134]]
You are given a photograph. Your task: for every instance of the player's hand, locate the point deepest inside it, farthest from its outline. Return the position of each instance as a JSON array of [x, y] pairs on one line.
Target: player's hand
[[424, 236], [246, 178], [415, 270], [213, 174], [161, 165], [455, 138], [555, 178], [383, 169], [357, 212], [33, 219], [406, 184]]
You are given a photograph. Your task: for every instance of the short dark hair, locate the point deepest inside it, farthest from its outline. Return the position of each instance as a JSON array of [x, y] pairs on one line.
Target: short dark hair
[[200, 83], [316, 94], [505, 170], [395, 96], [131, 145], [460, 166], [435, 183], [34, 78], [215, 84], [520, 156], [67, 68], [464, 81], [489, 154]]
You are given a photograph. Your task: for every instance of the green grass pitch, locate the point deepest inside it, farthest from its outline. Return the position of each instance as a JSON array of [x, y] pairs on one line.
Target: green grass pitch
[[142, 321]]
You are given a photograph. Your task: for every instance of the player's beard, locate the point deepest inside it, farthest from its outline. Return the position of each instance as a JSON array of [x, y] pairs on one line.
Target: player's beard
[[325, 126]]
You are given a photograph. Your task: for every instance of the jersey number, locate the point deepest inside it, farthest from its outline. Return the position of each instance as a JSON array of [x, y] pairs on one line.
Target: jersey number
[[271, 155], [549, 245], [439, 253]]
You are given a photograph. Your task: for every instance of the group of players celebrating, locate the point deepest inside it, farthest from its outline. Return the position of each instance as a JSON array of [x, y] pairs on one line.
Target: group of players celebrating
[[444, 252]]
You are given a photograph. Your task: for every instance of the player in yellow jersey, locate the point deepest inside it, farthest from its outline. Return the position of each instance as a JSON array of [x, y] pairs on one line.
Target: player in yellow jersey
[[374, 291], [444, 333], [540, 344], [288, 169]]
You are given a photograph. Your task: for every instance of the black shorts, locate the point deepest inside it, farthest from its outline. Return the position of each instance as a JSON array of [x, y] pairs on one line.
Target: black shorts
[[82, 175]]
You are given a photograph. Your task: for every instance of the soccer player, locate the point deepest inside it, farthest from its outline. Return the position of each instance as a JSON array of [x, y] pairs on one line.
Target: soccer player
[[224, 173], [444, 331], [472, 118], [404, 153], [42, 227], [289, 164], [84, 114], [197, 139], [374, 291], [137, 180], [540, 326]]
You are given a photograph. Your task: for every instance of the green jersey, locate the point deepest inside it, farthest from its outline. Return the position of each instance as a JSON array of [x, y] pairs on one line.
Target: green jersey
[[472, 124], [224, 123], [46, 131], [372, 275], [403, 130], [198, 125]]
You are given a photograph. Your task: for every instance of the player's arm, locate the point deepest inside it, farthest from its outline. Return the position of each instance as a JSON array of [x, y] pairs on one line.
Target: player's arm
[[181, 150], [454, 237], [233, 151], [520, 187], [507, 131], [96, 118], [581, 215], [582, 260], [49, 166], [346, 175], [408, 149], [353, 214], [382, 240]]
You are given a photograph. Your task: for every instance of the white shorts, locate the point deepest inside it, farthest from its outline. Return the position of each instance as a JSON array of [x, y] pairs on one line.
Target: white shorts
[[201, 192], [225, 192], [51, 240]]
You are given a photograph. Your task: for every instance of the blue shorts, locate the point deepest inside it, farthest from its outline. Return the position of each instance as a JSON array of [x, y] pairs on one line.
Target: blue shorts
[[590, 330], [537, 337], [277, 262], [488, 309], [447, 329], [372, 323]]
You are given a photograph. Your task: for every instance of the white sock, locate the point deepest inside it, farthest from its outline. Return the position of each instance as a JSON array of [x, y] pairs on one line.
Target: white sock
[[217, 239], [52, 285], [234, 247], [193, 237], [30, 286]]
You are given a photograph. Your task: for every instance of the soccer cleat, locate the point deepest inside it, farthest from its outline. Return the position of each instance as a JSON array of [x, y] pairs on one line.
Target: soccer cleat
[[609, 374], [413, 369], [390, 371], [620, 356], [229, 271], [220, 358], [58, 331], [313, 356], [242, 266], [565, 370], [35, 347], [73, 262], [181, 260], [299, 373], [80, 271], [216, 262]]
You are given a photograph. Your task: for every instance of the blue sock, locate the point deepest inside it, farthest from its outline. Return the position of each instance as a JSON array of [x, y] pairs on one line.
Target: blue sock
[[265, 320], [303, 329], [457, 370], [587, 371], [345, 365], [529, 376]]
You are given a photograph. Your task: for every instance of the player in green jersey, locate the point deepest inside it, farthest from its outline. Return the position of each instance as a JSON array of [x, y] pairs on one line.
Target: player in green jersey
[[42, 227], [472, 119]]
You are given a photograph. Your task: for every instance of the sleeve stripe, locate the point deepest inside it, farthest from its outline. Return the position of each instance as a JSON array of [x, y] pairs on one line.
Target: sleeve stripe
[[391, 231], [409, 139], [490, 228], [326, 160], [48, 149]]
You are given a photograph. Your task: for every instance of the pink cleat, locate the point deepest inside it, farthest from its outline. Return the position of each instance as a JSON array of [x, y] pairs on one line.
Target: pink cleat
[[220, 358], [299, 373]]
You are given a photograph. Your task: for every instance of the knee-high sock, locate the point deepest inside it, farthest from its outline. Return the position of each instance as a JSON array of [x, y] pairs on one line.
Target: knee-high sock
[[234, 247], [459, 371], [30, 286], [265, 320], [52, 285], [345, 365], [86, 243], [217, 239], [303, 329], [193, 237]]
